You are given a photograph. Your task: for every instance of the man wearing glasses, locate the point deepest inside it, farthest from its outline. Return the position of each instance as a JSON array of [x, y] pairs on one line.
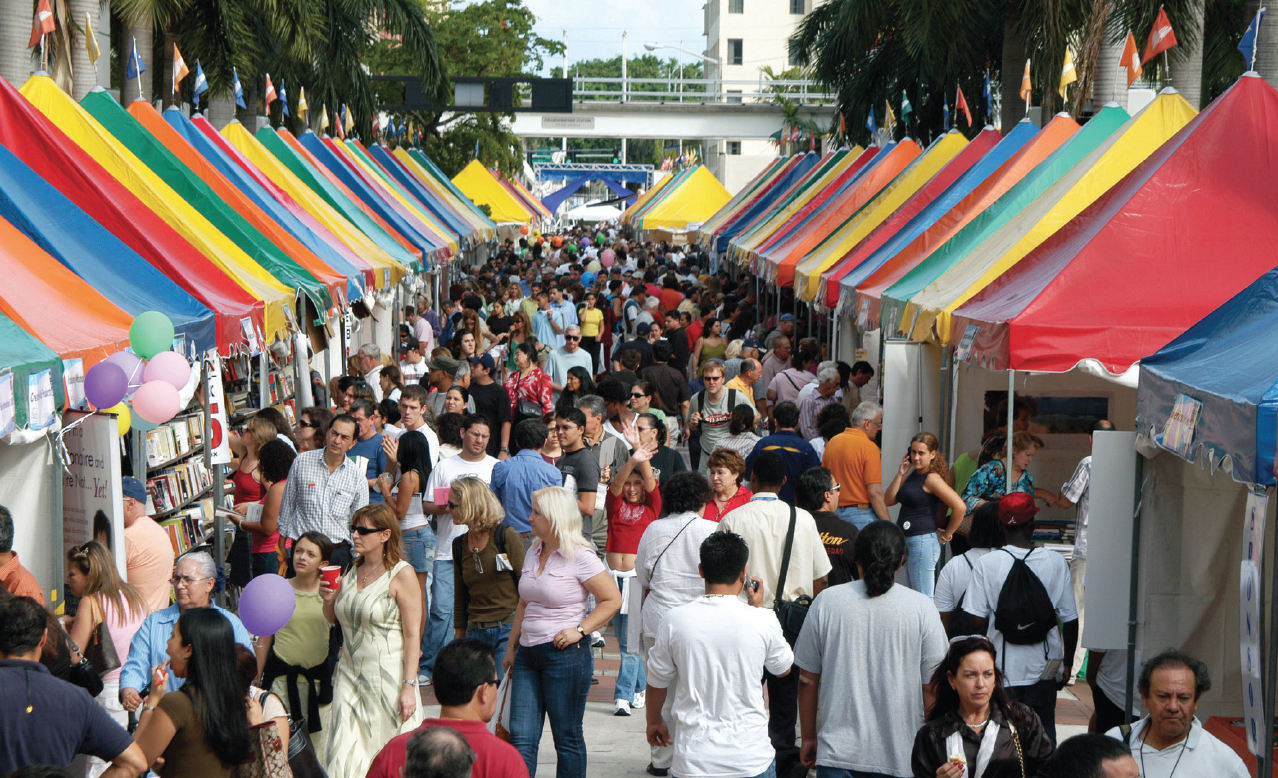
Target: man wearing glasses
[[566, 357], [324, 490], [711, 409], [857, 465]]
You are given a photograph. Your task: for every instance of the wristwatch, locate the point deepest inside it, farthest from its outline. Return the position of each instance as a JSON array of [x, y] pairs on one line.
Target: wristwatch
[[581, 631], [410, 681], [507, 450]]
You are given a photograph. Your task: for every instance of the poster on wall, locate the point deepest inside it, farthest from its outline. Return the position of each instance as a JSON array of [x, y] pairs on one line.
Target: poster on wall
[[91, 494], [1178, 434], [41, 411], [73, 378], [219, 445], [8, 405]]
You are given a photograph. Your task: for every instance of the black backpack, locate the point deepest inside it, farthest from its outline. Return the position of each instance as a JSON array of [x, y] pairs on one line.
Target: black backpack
[[960, 620], [1024, 614]]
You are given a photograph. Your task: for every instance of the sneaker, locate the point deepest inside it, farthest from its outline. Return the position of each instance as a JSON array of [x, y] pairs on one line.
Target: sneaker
[[596, 640], [621, 708], [658, 771], [423, 679], [639, 700]]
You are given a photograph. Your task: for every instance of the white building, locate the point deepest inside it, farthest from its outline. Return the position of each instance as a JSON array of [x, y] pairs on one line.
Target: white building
[[744, 36]]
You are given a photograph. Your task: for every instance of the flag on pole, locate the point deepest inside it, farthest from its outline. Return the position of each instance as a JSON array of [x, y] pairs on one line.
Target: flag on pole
[[889, 119], [91, 40], [843, 127], [323, 122], [283, 98], [811, 145], [201, 84], [180, 70], [960, 104], [906, 108], [302, 107], [988, 94], [870, 124], [945, 112], [1027, 86], [239, 89], [1161, 37], [270, 93], [1248, 43], [42, 24], [340, 125], [136, 66], [348, 119], [1068, 74], [1130, 60]]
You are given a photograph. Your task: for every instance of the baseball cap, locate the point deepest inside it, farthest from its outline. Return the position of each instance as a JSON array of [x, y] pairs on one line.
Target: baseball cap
[[484, 359], [787, 317], [643, 328], [750, 343], [447, 364], [1016, 509], [132, 487]]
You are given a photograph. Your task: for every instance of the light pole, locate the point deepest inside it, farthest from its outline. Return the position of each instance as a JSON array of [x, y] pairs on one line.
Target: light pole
[[565, 141], [625, 87], [655, 46]]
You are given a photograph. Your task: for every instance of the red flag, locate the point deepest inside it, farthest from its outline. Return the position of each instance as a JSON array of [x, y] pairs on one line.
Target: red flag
[[843, 127], [1161, 37], [1129, 61], [960, 104], [43, 24], [811, 143], [270, 93]]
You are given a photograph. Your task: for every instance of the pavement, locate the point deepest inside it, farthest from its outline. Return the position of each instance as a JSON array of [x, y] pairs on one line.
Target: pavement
[[616, 745]]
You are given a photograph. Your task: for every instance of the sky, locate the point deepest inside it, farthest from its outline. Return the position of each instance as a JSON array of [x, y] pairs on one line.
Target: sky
[[595, 35]]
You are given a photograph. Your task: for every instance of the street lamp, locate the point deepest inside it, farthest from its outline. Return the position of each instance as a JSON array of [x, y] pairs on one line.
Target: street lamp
[[655, 46]]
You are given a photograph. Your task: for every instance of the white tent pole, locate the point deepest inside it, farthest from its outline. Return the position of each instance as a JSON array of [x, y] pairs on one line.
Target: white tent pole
[[1011, 416]]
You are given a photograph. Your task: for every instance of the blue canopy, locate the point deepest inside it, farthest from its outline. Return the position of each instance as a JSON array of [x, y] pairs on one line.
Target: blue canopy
[[428, 199], [743, 218], [92, 252], [1229, 363], [556, 198]]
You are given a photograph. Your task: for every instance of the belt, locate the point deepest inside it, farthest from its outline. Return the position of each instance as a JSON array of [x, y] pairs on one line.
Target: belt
[[860, 507], [490, 624]]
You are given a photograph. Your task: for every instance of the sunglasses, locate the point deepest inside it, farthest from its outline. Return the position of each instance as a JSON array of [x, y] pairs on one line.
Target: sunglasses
[[312, 425], [959, 638], [364, 530], [572, 337], [637, 396]]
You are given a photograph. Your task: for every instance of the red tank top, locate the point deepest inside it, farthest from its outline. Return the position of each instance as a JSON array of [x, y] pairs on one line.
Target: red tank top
[[247, 489]]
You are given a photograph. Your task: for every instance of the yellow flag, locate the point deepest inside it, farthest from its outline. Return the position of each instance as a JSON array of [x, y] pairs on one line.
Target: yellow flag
[[890, 123], [1068, 74], [1027, 88], [180, 70], [350, 121], [323, 123], [91, 40], [301, 103]]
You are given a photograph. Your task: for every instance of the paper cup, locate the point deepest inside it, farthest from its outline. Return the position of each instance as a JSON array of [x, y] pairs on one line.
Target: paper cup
[[330, 574]]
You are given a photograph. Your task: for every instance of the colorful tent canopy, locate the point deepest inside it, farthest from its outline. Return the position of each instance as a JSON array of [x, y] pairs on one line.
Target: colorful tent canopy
[[161, 199], [482, 187], [649, 196], [301, 240], [44, 147], [865, 285], [393, 172], [416, 158], [768, 192], [935, 161], [71, 236], [435, 182], [186, 183], [529, 202], [688, 201], [439, 216], [712, 226], [24, 356], [1157, 252], [1064, 200]]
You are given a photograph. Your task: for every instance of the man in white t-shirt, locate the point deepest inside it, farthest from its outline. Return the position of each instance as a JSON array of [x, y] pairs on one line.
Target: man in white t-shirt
[[413, 365], [710, 653], [1032, 672], [472, 461], [955, 578]]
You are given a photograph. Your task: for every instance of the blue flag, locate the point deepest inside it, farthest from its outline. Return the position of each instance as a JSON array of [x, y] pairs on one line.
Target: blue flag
[[1248, 43], [476, 148], [989, 96], [201, 83], [136, 66], [869, 122], [283, 97], [945, 112], [239, 90]]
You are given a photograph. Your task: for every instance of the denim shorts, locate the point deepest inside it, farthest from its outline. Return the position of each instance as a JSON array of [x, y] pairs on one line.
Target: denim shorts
[[419, 548]]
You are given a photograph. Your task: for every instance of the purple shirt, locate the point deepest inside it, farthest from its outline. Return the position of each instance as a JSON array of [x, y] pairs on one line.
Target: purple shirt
[[556, 600]]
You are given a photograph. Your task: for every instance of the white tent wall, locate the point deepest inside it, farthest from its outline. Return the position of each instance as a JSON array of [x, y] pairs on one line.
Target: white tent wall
[[31, 489], [1190, 549], [912, 373]]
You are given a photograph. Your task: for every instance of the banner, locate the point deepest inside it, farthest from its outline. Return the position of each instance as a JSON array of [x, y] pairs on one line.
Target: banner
[[73, 378], [301, 358], [8, 405], [1178, 434], [41, 410], [1249, 622], [91, 481], [218, 444]]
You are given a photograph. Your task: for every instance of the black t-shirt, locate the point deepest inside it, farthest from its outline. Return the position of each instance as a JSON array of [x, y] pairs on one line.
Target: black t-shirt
[[668, 384], [626, 377], [493, 403], [839, 538], [680, 351], [499, 324]]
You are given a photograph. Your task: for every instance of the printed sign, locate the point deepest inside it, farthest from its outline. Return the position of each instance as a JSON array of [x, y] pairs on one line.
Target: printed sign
[[1249, 646], [91, 480], [1178, 434], [386, 282], [8, 405], [914, 320], [288, 314], [863, 315], [250, 336], [41, 411], [219, 444], [891, 323], [964, 351], [73, 381], [348, 326]]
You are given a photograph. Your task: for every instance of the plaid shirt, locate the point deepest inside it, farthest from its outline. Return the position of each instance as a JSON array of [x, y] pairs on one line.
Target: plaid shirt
[[315, 499]]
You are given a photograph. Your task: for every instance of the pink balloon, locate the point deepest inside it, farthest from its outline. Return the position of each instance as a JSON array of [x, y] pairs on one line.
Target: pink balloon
[[169, 367], [157, 401], [607, 257], [132, 365]]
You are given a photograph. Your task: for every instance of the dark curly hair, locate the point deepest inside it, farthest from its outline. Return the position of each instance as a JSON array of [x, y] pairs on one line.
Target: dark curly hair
[[687, 491]]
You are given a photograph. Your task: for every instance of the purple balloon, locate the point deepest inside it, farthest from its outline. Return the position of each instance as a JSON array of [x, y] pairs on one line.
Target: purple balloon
[[585, 243], [132, 365], [105, 384], [266, 605]]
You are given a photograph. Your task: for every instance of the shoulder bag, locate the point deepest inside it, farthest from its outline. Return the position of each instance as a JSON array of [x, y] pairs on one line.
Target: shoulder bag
[[101, 651], [269, 754], [82, 673], [791, 614]]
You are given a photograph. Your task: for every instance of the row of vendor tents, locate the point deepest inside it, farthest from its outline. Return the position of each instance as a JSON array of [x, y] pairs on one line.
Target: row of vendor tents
[[107, 212]]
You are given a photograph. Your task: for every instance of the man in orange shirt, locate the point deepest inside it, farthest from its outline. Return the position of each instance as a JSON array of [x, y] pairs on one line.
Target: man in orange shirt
[[148, 552], [857, 466], [17, 579]]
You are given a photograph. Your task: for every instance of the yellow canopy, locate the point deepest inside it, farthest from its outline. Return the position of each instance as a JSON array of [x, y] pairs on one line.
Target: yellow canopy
[[698, 197], [1068, 197], [479, 185], [160, 198]]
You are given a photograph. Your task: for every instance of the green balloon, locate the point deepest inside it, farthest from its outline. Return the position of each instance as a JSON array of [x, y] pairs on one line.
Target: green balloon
[[140, 424], [151, 333]]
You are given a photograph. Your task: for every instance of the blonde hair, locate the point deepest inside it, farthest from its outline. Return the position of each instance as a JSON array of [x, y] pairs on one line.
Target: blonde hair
[[381, 516], [560, 506], [260, 431], [478, 507], [96, 564]]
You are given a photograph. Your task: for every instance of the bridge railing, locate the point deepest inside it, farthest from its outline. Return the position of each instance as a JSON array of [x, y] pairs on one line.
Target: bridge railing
[[697, 90]]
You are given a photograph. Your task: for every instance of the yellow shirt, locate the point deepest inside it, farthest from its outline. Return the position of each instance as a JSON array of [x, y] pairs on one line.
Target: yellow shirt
[[591, 320], [743, 388], [304, 640]]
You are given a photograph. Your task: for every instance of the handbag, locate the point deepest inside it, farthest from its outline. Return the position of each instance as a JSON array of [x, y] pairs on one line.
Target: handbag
[[502, 719], [529, 408], [791, 613], [302, 759], [269, 754], [101, 651], [82, 673]]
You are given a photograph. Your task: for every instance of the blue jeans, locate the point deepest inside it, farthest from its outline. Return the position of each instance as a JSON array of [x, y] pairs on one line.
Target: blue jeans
[[632, 677], [419, 548], [548, 682], [496, 637], [857, 517], [839, 772], [925, 552], [771, 772], [439, 623]]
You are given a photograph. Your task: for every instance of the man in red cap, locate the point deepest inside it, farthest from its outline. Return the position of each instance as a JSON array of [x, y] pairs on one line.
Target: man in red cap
[[1023, 601]]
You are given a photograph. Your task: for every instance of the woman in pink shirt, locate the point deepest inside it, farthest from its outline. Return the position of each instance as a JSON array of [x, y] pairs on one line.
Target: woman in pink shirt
[[548, 651]]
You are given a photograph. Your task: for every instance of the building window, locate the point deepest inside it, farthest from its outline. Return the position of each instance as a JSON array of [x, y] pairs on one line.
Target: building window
[[794, 58], [735, 55], [796, 7], [734, 148], [734, 95], [736, 6]]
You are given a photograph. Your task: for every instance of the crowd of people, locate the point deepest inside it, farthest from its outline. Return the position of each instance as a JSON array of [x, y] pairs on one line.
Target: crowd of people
[[588, 432]]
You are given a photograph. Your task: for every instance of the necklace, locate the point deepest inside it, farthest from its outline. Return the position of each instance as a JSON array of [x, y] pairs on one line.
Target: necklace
[[1144, 735], [364, 578], [978, 726]]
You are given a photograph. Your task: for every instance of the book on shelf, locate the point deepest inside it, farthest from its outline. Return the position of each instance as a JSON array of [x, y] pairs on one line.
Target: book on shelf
[[177, 438], [186, 529], [177, 485]]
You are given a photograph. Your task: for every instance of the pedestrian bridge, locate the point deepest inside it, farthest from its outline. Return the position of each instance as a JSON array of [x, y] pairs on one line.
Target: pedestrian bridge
[[677, 109]]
